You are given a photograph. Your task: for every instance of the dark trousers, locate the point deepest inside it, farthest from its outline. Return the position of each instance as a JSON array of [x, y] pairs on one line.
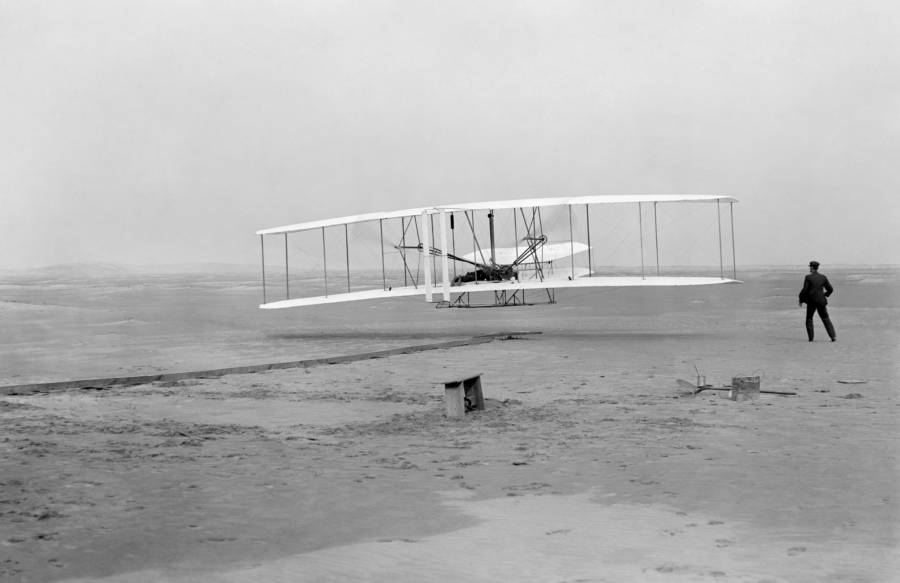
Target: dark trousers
[[823, 313]]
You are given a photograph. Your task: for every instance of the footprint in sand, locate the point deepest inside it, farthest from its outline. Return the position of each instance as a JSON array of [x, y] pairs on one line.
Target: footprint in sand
[[531, 487], [724, 542], [795, 551], [46, 536], [8, 567], [218, 539], [673, 532], [671, 568]]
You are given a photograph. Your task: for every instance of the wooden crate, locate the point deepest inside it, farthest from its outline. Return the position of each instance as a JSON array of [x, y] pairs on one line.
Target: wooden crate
[[463, 395]]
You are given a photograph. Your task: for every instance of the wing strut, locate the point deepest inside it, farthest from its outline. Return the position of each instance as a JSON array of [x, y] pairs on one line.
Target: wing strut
[[402, 252], [733, 258], [324, 262], [287, 276], [587, 215], [433, 237], [347, 248], [453, 236], [515, 231], [656, 237], [445, 267], [641, 231], [475, 245], [427, 242], [719, 222], [530, 230], [262, 249], [571, 243], [381, 239], [402, 248]]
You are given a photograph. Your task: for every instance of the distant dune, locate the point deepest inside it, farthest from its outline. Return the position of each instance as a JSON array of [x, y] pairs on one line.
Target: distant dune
[[91, 270]]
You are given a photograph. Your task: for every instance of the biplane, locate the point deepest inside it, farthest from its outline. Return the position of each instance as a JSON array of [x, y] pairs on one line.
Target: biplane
[[457, 255]]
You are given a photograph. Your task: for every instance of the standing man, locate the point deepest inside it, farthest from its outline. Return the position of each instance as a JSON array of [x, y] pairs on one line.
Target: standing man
[[816, 289]]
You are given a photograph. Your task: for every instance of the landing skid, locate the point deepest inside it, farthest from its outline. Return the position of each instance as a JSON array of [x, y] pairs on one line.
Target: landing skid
[[502, 299]]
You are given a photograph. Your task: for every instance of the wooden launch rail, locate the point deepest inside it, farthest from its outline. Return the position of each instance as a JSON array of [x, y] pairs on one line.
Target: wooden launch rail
[[103, 383]]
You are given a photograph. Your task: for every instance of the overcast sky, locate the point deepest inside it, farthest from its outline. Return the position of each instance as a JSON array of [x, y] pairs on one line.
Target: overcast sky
[[156, 132]]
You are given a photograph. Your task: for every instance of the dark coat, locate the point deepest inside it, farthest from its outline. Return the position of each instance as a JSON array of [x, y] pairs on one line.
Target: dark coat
[[816, 288]]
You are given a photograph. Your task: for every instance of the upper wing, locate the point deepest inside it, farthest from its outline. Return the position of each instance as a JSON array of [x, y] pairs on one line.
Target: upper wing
[[348, 220], [500, 204], [587, 200]]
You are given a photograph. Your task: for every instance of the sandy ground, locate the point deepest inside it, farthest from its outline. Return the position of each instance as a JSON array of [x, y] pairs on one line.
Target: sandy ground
[[589, 464]]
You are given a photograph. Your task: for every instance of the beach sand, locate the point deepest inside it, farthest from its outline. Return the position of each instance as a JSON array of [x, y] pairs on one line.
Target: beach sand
[[589, 463]]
